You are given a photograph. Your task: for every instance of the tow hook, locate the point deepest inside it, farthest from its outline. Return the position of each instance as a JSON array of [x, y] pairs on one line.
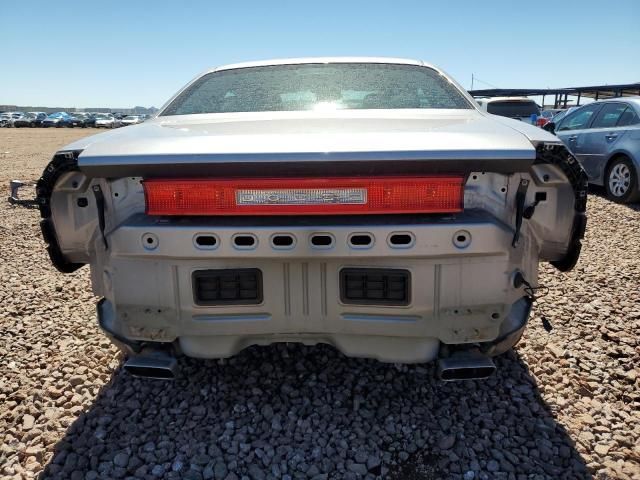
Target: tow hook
[[14, 198]]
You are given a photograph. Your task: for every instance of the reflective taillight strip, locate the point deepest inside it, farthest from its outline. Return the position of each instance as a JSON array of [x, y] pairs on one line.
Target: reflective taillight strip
[[304, 196]]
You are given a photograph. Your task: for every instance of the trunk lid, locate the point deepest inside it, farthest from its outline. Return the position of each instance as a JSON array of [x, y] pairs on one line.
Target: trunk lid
[[192, 144]]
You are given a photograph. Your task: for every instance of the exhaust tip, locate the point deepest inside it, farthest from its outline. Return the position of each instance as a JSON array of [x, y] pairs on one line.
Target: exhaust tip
[[150, 372], [465, 366], [156, 365], [471, 373]]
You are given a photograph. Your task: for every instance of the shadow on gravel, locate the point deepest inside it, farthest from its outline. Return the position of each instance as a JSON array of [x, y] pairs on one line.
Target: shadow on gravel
[[601, 192], [309, 411]]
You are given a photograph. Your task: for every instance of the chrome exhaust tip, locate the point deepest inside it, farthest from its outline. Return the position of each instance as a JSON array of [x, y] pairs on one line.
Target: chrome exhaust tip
[[157, 365], [465, 365]]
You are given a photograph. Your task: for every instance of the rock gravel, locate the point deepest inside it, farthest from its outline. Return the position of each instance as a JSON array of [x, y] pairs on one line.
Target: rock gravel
[[562, 405]]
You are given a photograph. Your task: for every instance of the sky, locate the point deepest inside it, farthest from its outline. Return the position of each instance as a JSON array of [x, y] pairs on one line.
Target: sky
[[126, 53]]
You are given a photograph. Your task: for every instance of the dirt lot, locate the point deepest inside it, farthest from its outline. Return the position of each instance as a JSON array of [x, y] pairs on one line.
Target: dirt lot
[[564, 404]]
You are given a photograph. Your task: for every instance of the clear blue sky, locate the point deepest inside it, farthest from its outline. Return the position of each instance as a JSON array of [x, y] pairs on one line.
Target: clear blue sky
[[123, 53]]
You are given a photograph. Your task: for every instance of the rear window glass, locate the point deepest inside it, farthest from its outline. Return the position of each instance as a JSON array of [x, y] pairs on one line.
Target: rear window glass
[[628, 117], [513, 109], [609, 115], [321, 87]]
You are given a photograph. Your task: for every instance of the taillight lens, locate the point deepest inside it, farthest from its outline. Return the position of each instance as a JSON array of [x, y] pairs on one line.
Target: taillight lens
[[304, 196], [542, 121]]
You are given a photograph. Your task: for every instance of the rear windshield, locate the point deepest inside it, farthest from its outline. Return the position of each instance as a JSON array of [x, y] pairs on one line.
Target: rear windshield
[[321, 87], [513, 109]]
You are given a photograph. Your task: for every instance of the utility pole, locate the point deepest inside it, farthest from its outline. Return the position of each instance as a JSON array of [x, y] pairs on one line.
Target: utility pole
[[471, 82]]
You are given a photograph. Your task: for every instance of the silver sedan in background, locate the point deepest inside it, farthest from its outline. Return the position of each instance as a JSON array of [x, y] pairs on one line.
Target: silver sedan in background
[[106, 120], [131, 120], [605, 137]]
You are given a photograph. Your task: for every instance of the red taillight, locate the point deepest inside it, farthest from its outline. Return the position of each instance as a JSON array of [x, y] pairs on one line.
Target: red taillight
[[542, 121], [304, 196]]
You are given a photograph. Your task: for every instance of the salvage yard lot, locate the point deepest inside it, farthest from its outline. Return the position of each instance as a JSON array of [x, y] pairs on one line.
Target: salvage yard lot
[[564, 404]]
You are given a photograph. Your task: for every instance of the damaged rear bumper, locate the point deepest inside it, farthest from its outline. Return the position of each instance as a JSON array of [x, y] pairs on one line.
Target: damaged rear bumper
[[439, 289]]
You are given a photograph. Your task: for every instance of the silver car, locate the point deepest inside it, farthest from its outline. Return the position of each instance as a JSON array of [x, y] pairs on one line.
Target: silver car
[[605, 137], [131, 120], [367, 203], [7, 118], [106, 120]]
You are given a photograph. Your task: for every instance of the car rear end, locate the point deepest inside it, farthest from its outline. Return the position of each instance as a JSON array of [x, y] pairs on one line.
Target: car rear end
[[230, 231], [522, 109]]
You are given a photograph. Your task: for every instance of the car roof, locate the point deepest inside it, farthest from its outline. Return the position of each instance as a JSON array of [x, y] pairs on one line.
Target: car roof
[[303, 60], [505, 99], [635, 100]]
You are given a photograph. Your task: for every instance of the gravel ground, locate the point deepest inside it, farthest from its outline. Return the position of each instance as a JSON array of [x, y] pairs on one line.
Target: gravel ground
[[563, 405]]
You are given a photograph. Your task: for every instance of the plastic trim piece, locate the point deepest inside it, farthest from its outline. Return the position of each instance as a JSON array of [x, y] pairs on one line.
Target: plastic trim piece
[[386, 276], [558, 155], [232, 281], [61, 163]]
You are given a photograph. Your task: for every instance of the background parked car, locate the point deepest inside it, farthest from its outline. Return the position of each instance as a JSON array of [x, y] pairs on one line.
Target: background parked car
[[76, 119], [83, 119], [30, 119], [106, 120], [131, 120], [520, 108], [605, 137], [549, 126], [58, 119], [547, 115], [88, 118], [551, 112], [7, 118]]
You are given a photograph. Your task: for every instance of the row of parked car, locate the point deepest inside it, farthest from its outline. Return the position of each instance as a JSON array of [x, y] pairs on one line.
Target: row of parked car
[[64, 119], [604, 136]]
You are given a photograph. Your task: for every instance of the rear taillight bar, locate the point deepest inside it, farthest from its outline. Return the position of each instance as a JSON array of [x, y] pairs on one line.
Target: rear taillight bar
[[304, 196]]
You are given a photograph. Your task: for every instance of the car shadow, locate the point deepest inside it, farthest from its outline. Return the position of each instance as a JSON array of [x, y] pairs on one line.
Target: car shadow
[[311, 406], [602, 193]]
